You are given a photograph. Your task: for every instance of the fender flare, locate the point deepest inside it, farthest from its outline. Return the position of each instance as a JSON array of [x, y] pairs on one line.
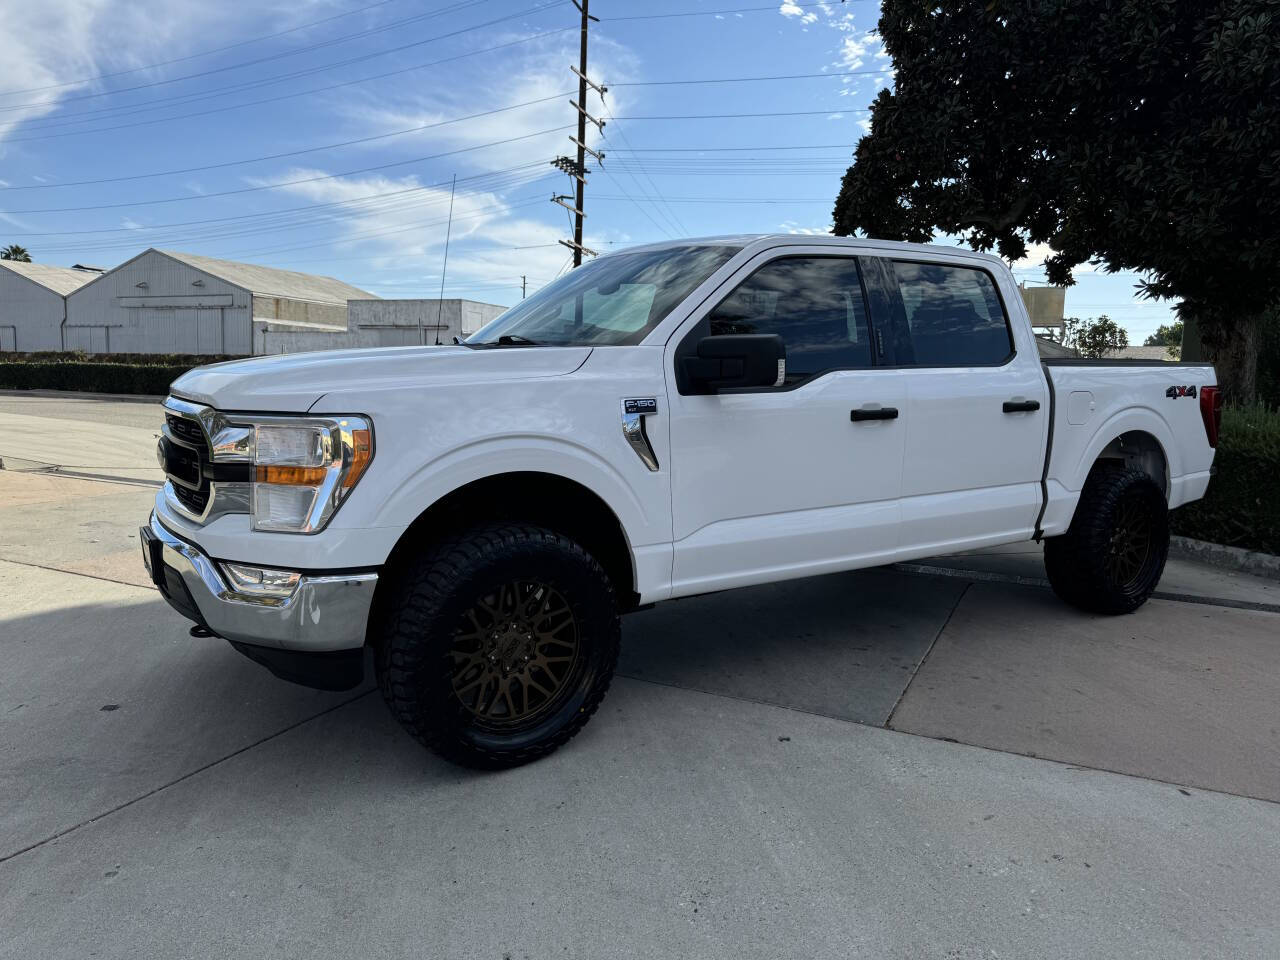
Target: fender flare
[[1130, 420], [530, 453]]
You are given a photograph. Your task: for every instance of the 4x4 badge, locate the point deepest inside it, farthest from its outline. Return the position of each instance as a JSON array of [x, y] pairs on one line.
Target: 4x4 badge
[[1173, 393]]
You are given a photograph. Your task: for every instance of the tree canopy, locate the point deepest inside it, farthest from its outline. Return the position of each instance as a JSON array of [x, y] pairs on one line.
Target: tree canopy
[[15, 252], [1094, 338], [1140, 134]]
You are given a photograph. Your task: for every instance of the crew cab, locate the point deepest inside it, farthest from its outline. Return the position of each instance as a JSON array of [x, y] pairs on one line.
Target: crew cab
[[665, 421]]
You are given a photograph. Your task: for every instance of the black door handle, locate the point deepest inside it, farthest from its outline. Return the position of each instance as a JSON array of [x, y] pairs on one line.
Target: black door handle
[[879, 413], [1021, 406]]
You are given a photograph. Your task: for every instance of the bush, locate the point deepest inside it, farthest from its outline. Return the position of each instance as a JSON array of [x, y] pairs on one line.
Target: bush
[[135, 373], [139, 378], [1242, 505], [187, 360]]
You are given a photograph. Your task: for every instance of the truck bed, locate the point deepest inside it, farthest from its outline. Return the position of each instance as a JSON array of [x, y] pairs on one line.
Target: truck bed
[[1142, 412]]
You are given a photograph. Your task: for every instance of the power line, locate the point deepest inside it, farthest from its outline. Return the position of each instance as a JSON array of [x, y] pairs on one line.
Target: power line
[[781, 76], [495, 175], [279, 226], [736, 116], [290, 153], [196, 56], [291, 53], [667, 212], [707, 13], [768, 200], [805, 146], [290, 183], [254, 103]]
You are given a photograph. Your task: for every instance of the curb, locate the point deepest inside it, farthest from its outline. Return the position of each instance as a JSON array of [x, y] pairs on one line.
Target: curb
[[1233, 558], [79, 395]]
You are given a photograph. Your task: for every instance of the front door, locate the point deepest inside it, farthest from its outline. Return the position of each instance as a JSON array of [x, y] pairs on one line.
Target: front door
[[796, 479]]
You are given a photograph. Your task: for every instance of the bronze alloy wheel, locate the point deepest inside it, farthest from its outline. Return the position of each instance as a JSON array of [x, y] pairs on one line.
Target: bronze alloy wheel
[[1130, 542], [513, 653]]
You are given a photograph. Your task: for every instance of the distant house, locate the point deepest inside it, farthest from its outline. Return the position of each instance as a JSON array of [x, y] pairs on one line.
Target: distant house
[[1140, 353], [33, 304], [1049, 347]]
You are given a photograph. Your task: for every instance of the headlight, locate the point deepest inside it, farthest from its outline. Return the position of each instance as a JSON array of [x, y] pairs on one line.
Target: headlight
[[303, 469]]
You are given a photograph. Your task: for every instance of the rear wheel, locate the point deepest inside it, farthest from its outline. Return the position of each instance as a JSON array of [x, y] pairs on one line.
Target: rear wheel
[[500, 645], [1112, 557]]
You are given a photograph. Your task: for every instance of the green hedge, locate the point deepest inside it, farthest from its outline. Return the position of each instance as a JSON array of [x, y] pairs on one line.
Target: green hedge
[[1242, 505], [137, 373], [90, 377]]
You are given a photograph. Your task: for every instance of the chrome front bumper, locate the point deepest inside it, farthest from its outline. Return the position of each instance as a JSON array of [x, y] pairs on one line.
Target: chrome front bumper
[[322, 614]]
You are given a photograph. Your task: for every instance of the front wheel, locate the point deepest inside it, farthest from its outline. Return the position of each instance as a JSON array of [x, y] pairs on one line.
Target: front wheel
[[1111, 558], [500, 645]]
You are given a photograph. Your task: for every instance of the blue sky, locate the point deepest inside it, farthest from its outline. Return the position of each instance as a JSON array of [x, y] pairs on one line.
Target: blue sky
[[321, 135]]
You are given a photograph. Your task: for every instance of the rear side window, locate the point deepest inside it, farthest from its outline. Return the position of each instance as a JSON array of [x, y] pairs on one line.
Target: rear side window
[[814, 303], [953, 314]]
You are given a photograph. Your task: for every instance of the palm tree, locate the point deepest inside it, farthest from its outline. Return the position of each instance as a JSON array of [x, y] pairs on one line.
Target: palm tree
[[15, 252]]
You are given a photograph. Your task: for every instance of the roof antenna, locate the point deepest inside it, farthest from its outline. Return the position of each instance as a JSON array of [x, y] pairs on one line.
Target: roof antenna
[[447, 232]]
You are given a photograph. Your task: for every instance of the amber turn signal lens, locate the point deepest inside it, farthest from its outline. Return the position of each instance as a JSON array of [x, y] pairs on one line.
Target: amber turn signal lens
[[361, 454], [291, 476]]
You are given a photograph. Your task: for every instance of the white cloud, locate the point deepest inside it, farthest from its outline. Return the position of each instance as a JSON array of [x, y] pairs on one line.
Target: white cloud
[[1035, 256], [790, 9], [49, 48], [856, 47], [410, 227], [537, 71], [790, 226]]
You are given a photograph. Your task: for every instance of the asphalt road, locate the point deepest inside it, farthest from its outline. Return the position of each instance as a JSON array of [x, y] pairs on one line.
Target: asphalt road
[[880, 764]]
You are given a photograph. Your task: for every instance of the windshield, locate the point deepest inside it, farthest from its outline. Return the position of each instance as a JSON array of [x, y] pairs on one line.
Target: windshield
[[615, 300]]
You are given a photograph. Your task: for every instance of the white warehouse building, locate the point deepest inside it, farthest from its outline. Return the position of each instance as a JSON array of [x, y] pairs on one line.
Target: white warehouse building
[[33, 304], [166, 302]]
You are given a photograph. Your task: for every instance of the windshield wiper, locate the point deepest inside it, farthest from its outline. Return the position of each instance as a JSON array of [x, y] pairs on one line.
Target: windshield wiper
[[515, 340]]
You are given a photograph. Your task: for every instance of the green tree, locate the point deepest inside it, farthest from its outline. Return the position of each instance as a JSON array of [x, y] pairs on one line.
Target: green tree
[[1167, 335], [1138, 134], [1094, 338], [15, 252]]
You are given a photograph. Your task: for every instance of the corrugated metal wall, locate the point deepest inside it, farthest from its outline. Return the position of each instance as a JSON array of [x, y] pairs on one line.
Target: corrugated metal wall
[[154, 304], [30, 315]]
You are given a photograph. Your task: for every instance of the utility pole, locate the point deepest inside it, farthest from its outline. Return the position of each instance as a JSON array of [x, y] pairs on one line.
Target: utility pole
[[523, 281], [578, 168]]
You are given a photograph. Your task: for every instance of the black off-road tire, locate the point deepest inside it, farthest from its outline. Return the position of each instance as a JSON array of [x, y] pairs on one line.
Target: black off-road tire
[[1095, 565], [416, 651]]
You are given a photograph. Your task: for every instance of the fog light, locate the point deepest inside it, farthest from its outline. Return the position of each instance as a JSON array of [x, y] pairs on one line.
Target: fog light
[[260, 582]]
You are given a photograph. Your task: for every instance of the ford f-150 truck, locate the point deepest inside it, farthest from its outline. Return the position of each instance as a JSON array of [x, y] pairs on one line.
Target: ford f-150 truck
[[664, 421]]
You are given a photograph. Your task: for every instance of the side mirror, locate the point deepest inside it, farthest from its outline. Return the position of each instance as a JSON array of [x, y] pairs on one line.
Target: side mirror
[[737, 360]]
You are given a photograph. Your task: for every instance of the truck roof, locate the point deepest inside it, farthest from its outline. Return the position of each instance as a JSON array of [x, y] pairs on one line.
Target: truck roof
[[764, 240]]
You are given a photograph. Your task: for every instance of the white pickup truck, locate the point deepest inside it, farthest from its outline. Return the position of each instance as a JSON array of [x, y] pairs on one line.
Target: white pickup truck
[[665, 421]]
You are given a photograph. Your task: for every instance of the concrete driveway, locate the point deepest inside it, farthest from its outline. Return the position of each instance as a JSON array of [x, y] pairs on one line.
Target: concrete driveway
[[879, 764]]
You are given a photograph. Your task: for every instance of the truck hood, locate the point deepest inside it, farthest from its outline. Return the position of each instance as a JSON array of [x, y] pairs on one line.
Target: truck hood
[[292, 383]]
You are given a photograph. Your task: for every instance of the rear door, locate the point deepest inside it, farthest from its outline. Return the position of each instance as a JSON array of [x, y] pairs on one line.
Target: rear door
[[977, 406]]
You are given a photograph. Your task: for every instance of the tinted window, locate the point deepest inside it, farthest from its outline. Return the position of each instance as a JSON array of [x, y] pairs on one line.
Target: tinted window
[[953, 314], [613, 300], [814, 303]]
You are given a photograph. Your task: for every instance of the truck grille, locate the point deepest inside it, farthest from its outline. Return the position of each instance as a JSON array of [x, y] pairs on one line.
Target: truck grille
[[193, 500], [185, 429], [184, 465]]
